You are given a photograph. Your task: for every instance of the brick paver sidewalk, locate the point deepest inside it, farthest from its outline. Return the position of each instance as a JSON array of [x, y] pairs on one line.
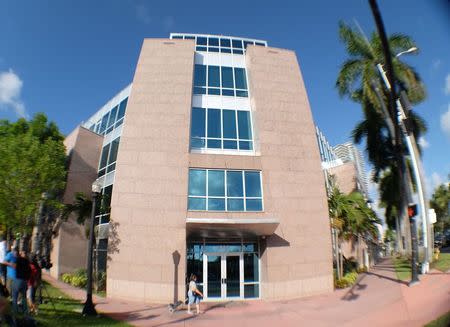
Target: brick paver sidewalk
[[378, 299]]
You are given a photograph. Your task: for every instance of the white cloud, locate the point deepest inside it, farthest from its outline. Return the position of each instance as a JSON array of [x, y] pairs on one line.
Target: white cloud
[[423, 143], [447, 84], [445, 122], [10, 89], [143, 14]]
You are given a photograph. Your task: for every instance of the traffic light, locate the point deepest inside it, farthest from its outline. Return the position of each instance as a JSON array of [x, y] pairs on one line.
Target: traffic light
[[412, 210]]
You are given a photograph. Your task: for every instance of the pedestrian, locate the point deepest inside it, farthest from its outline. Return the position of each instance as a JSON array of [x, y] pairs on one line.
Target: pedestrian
[[20, 283], [33, 283], [10, 260], [194, 294]]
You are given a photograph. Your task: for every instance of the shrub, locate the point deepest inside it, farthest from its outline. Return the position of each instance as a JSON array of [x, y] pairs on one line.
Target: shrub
[[348, 280], [77, 278], [101, 281], [67, 278]]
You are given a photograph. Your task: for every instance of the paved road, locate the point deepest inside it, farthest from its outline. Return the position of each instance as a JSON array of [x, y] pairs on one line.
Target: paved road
[[378, 299]]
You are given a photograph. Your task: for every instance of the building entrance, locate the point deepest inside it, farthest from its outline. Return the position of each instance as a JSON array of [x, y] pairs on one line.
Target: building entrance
[[225, 270]]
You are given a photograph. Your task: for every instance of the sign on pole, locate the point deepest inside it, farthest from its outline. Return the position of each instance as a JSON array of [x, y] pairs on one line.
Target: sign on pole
[[432, 216]]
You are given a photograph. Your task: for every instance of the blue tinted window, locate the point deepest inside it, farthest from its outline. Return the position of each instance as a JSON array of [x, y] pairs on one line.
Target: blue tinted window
[[200, 48], [104, 123], [244, 125], [234, 184], [225, 50], [252, 184], [214, 41], [229, 124], [235, 205], [104, 158], [213, 76], [225, 43], [228, 92], [198, 120], [201, 40], [197, 182], [200, 75], [197, 204], [177, 37], [199, 90], [237, 44], [227, 77], [230, 145], [198, 143], [245, 145], [242, 94], [253, 204], [122, 108], [239, 76], [213, 49], [260, 43], [216, 183], [214, 91], [112, 116], [236, 51], [214, 144], [114, 150], [214, 123], [189, 37], [215, 204]]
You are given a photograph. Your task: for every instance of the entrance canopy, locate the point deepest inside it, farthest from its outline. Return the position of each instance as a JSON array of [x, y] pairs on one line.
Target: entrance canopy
[[231, 227]]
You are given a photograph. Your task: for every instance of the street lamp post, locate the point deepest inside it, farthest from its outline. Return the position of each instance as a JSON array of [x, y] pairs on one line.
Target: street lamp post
[[89, 307], [415, 161]]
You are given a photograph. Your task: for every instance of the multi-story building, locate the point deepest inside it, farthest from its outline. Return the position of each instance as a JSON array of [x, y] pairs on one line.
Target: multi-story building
[[213, 170]]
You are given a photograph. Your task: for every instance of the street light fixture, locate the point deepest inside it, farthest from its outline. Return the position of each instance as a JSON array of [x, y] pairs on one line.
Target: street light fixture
[[89, 307], [410, 50]]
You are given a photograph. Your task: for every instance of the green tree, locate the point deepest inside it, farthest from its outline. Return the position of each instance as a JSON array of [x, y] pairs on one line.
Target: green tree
[[440, 202], [357, 79], [32, 162]]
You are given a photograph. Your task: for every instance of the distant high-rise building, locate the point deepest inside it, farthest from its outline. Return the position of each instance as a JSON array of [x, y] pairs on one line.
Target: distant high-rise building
[[348, 152]]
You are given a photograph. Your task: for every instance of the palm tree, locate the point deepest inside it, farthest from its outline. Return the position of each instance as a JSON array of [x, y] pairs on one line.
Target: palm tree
[[358, 79], [440, 203]]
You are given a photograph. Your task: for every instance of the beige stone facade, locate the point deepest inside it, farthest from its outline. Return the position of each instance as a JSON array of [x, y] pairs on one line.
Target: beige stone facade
[[345, 177], [69, 250], [149, 201]]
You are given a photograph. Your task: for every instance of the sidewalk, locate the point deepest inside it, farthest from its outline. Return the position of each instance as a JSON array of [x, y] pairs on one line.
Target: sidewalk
[[378, 299]]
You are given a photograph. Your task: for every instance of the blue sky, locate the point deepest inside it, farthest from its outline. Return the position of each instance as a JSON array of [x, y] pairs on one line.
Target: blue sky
[[67, 58]]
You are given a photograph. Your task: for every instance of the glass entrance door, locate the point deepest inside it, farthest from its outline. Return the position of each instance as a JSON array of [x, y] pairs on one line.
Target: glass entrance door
[[225, 276]]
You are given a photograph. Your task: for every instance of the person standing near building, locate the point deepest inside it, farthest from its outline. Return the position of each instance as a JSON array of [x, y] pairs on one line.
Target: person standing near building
[[33, 283], [10, 260], [193, 294], [20, 283]]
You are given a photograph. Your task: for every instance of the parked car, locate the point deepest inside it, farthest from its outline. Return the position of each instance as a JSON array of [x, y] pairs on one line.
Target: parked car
[[439, 240]]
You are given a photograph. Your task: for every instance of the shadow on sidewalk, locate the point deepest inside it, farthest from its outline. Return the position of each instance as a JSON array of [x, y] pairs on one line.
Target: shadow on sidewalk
[[388, 278], [351, 295]]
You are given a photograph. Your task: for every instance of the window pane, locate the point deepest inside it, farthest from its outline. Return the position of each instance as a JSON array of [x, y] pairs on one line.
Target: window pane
[[114, 150], [197, 182], [112, 116], [213, 91], [197, 204], [243, 94], [213, 76], [245, 128], [214, 144], [216, 183], [251, 291], [229, 144], [237, 44], [235, 205], [239, 75], [238, 51], [213, 49], [225, 43], [228, 92], [252, 184], [253, 205], [201, 40], [199, 90], [247, 43], [260, 43], [214, 123], [227, 77], [251, 273], [200, 48], [177, 37], [122, 108], [189, 37], [198, 122], [104, 158], [225, 50], [245, 145], [104, 123], [198, 143], [216, 204], [214, 41], [234, 183], [200, 75], [229, 124]]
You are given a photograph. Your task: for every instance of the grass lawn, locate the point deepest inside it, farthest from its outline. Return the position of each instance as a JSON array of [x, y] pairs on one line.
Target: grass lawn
[[443, 263], [67, 312], [402, 268], [443, 321]]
